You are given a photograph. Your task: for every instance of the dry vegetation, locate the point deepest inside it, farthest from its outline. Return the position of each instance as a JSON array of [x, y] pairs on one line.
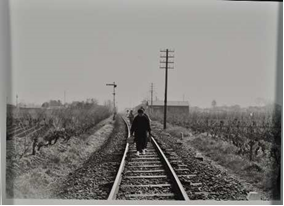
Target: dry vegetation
[[248, 146], [70, 136]]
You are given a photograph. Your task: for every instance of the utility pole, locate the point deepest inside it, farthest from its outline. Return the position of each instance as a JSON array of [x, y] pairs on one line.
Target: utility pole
[[166, 62], [64, 98], [114, 110], [17, 101], [152, 89], [151, 103]]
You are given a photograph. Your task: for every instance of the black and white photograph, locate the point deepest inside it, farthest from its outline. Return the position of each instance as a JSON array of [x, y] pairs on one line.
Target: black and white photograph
[[141, 102]]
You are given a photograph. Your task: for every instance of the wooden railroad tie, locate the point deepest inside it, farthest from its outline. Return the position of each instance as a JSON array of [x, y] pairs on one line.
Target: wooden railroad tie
[[146, 177], [144, 171], [151, 195], [152, 185]]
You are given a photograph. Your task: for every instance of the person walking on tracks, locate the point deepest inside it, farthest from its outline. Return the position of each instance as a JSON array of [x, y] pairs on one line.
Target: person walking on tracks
[[131, 117], [139, 128], [144, 113], [149, 136]]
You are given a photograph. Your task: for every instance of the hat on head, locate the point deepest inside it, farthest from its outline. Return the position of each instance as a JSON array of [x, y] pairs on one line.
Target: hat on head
[[140, 111]]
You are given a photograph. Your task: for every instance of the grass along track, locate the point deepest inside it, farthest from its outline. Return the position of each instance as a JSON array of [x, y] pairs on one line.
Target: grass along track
[[258, 175], [95, 177], [201, 180], [37, 176]]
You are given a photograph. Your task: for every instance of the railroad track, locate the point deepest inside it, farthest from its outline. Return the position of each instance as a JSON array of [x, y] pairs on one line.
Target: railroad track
[[146, 177]]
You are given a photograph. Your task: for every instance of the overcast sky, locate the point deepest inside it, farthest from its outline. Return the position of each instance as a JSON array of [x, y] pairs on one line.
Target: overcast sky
[[223, 50]]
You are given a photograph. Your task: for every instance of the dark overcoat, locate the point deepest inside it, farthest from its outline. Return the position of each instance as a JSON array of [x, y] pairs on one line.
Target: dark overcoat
[[140, 126]]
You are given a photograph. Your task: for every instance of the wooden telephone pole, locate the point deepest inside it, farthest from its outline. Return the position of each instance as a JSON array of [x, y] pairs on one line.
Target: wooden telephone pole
[[151, 102], [152, 90], [166, 61]]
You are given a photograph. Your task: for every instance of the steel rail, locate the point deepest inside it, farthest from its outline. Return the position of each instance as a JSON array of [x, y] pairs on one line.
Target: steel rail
[[181, 194], [116, 184]]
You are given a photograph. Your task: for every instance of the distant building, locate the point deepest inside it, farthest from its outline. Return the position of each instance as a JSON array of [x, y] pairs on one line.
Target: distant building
[[177, 107], [11, 106]]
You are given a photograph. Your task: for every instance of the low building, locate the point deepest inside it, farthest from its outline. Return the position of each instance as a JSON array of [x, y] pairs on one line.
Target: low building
[[177, 107]]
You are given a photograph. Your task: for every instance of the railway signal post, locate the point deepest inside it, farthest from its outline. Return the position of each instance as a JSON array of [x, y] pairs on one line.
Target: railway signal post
[[114, 110], [166, 61]]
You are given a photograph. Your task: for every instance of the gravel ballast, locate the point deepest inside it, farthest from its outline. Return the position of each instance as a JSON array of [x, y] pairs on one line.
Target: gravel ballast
[[205, 181], [96, 176]]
